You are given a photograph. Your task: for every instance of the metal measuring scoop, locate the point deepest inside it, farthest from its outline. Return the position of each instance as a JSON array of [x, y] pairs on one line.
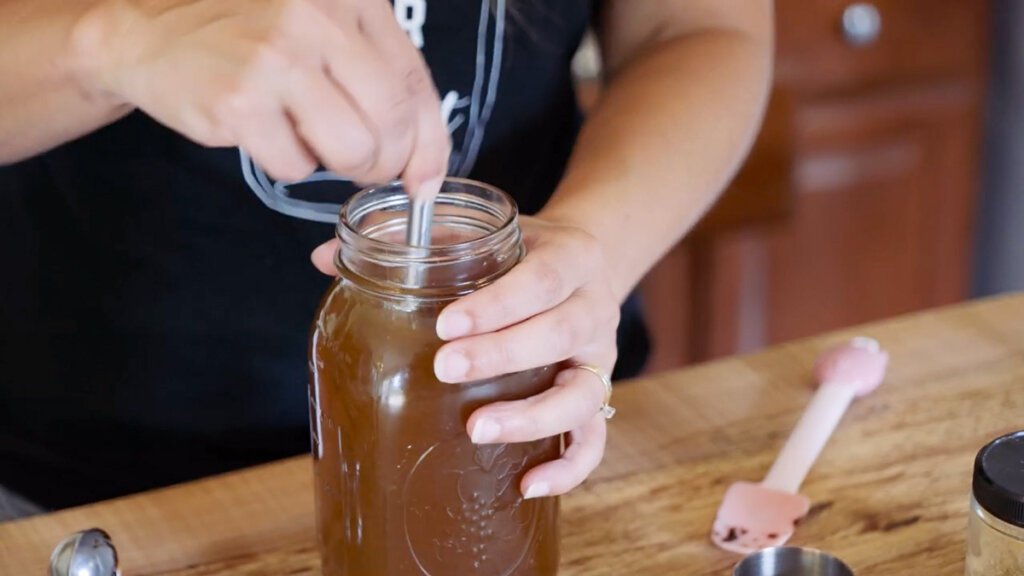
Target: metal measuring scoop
[[86, 553], [791, 561]]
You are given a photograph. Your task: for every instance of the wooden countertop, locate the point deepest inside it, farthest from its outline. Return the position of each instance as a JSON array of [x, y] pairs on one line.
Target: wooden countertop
[[890, 491]]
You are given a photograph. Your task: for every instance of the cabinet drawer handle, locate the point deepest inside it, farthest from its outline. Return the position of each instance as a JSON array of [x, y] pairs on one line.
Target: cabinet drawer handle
[[862, 23]]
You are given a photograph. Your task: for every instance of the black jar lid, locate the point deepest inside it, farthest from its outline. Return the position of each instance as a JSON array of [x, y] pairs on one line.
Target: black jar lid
[[999, 478]]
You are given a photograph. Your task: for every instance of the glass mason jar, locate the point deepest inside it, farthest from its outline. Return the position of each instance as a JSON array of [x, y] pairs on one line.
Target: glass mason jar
[[400, 489], [995, 528]]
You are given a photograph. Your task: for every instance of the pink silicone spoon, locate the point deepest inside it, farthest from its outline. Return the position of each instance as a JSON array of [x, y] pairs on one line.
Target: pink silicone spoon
[[754, 516]]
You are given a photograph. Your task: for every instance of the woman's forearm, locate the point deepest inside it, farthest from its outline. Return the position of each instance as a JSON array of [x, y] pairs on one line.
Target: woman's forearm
[[41, 103], [670, 131]]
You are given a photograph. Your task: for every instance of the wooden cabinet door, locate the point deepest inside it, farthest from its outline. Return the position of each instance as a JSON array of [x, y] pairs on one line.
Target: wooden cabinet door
[[882, 224]]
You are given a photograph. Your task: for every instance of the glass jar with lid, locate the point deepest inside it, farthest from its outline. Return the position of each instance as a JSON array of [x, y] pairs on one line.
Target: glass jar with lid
[[995, 529], [400, 489]]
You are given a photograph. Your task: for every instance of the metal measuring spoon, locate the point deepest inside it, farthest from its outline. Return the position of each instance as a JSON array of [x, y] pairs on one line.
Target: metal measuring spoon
[[421, 218], [86, 553], [421, 214]]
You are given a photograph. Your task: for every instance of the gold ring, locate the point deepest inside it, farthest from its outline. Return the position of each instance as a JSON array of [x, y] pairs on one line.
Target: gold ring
[[606, 408]]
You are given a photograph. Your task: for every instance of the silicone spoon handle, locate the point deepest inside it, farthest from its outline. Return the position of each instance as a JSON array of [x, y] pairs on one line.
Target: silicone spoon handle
[[846, 371], [809, 437]]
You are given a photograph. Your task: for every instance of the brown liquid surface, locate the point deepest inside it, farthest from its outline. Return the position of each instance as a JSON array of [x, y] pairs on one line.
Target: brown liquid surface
[[400, 489]]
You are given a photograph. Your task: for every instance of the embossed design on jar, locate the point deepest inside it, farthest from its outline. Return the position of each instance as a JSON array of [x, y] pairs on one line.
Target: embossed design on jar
[[491, 522]]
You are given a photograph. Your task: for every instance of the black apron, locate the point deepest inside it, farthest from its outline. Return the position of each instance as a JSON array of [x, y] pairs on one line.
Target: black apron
[[155, 306]]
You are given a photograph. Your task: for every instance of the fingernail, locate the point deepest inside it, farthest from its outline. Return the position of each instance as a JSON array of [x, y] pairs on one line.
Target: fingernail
[[431, 187], [451, 366], [538, 490], [485, 431], [563, 378], [454, 325]]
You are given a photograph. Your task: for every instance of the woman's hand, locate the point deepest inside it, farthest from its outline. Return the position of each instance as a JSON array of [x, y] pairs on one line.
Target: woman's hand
[[556, 306], [293, 82]]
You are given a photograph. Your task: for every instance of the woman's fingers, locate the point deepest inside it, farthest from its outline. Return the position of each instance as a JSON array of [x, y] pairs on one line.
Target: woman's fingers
[[555, 305], [330, 124], [574, 399], [366, 115], [262, 75], [567, 330], [394, 93], [428, 159], [549, 274], [581, 457], [271, 140], [323, 257]]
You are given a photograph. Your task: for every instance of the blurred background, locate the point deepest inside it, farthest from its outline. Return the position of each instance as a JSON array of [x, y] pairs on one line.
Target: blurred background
[[888, 178]]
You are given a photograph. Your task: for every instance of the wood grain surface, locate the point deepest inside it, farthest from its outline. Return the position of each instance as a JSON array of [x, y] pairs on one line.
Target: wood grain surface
[[890, 490]]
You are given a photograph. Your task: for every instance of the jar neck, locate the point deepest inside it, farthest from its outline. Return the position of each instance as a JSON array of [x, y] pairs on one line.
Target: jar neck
[[475, 239]]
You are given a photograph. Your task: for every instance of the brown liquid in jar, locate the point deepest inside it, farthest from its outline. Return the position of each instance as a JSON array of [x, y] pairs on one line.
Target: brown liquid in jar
[[400, 489]]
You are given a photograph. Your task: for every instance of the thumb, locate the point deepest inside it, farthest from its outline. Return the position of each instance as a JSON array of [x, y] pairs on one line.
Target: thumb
[[323, 257]]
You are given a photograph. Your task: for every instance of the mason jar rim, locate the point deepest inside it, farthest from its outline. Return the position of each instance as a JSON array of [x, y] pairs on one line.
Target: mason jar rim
[[348, 233], [399, 269]]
